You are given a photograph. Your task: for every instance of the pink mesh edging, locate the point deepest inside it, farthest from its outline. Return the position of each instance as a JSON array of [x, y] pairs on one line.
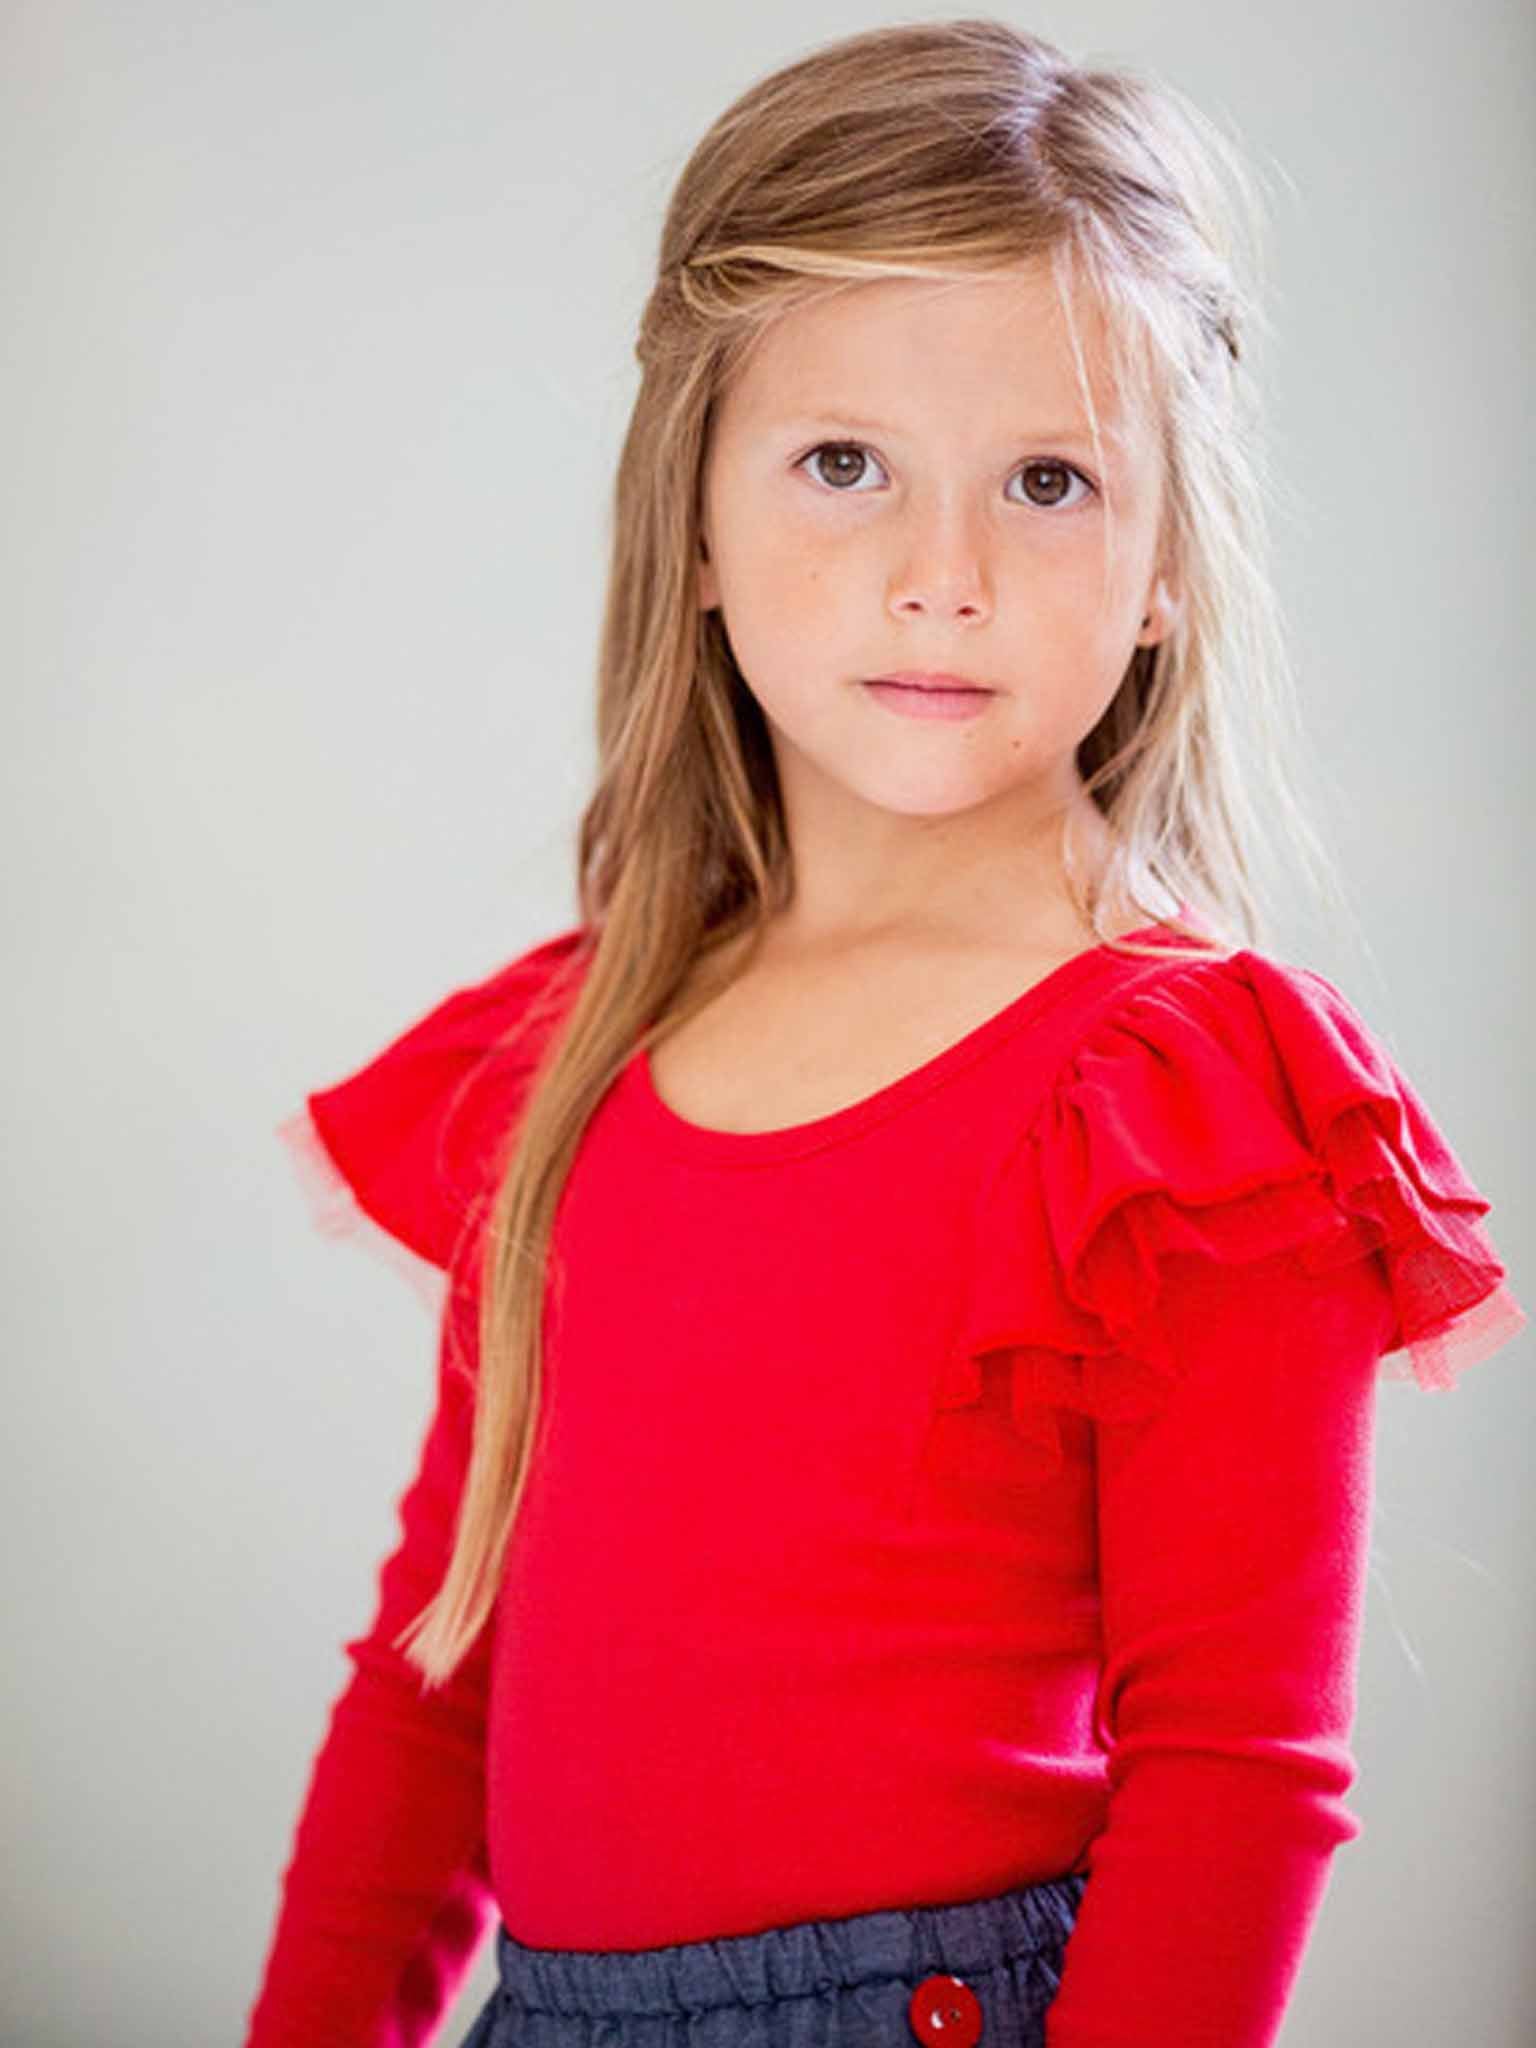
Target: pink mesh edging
[[1437, 1358], [337, 1213]]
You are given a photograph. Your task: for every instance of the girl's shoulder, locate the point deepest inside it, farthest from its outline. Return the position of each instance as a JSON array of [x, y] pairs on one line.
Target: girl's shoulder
[[1209, 1018], [1202, 1018], [407, 1142], [1227, 1108]]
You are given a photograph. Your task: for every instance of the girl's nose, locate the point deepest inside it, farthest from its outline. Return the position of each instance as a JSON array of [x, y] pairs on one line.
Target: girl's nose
[[941, 567]]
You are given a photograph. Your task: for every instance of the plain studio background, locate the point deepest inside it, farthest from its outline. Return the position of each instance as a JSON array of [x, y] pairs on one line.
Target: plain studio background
[[318, 351]]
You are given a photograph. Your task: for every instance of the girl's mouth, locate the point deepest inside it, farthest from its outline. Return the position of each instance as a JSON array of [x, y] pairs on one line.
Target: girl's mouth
[[945, 697]]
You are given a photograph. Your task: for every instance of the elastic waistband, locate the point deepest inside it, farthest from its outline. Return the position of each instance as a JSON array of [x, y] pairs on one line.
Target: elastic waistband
[[787, 1962]]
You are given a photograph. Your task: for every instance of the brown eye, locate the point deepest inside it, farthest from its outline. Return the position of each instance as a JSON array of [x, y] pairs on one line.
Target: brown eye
[[1058, 482], [843, 456]]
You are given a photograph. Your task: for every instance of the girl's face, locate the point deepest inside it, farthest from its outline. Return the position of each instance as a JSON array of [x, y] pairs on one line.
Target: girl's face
[[903, 478]]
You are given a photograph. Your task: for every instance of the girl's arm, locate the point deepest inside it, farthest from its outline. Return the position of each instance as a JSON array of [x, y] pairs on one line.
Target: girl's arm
[[1231, 1219], [386, 1898], [1233, 1530]]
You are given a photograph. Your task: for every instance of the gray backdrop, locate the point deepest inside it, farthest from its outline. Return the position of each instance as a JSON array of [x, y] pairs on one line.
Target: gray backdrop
[[318, 344]]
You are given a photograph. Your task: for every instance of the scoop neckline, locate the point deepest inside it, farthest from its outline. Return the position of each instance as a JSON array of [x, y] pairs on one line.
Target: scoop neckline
[[684, 1138]]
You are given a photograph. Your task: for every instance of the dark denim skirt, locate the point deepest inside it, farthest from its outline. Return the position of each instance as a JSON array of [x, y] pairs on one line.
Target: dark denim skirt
[[949, 1976]]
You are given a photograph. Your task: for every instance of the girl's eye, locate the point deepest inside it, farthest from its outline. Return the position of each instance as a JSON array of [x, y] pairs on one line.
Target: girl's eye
[[1059, 477], [843, 453], [851, 455]]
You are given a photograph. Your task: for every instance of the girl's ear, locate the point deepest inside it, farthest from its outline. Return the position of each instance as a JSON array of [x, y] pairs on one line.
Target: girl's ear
[[708, 584], [1165, 607]]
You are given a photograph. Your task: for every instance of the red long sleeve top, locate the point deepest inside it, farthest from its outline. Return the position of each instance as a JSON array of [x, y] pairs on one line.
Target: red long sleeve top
[[965, 1488]]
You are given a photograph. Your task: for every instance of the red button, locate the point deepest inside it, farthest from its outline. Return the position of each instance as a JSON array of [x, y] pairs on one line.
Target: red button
[[945, 2013]]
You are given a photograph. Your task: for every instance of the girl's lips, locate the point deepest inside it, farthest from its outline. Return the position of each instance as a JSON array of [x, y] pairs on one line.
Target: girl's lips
[[951, 699], [931, 679]]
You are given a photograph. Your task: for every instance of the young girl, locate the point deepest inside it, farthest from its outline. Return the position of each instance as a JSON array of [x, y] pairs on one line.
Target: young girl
[[887, 1559]]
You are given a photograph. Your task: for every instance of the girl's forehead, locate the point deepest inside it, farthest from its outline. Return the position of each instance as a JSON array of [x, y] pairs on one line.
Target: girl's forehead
[[873, 352]]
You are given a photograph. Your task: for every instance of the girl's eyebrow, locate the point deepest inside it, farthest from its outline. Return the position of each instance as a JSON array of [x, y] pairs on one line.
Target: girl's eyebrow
[[819, 421]]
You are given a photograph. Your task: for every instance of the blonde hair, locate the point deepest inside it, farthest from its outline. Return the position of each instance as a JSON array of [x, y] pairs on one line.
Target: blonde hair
[[943, 150]]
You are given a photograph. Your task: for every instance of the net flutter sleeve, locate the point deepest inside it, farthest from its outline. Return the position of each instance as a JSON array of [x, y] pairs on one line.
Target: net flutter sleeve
[[1232, 1111]]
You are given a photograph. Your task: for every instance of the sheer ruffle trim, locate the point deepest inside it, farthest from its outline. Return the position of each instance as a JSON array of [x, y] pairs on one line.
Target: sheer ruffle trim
[[1231, 1111], [405, 1152], [336, 1213]]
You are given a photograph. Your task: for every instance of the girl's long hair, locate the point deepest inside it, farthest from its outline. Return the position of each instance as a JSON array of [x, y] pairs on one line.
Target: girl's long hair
[[941, 150]]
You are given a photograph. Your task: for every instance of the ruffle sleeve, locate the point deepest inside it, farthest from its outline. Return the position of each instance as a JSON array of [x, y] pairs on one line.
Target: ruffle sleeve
[[1230, 1111], [404, 1150]]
